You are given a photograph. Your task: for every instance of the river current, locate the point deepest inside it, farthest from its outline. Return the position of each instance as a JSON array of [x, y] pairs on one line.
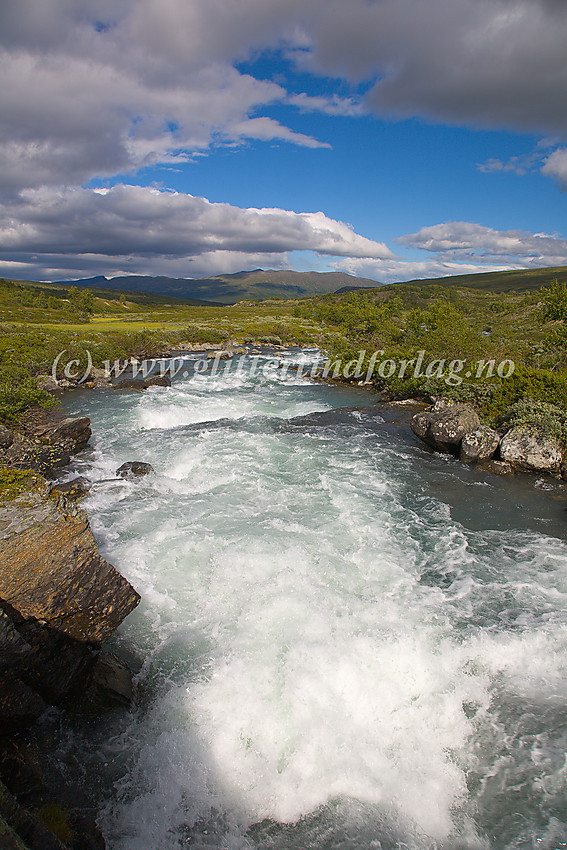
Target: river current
[[344, 640]]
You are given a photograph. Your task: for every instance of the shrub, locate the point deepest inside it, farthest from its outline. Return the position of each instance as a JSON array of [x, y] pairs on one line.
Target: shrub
[[539, 416]]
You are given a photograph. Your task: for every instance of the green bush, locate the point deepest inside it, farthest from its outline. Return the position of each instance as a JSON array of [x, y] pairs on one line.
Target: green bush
[[539, 416], [18, 392]]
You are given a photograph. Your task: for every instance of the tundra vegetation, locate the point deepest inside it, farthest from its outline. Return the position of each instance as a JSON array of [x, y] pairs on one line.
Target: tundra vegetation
[[527, 325]]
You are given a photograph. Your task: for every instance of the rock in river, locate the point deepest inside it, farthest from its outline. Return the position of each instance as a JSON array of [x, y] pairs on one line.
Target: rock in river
[[134, 469], [479, 445], [445, 424]]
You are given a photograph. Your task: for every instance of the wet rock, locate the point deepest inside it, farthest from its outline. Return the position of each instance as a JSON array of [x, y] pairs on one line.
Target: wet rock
[[72, 432], [20, 768], [109, 685], [20, 705], [23, 826], [498, 467], [479, 445], [130, 384], [445, 424], [86, 834], [531, 452], [25, 454], [134, 469], [158, 381], [75, 489]]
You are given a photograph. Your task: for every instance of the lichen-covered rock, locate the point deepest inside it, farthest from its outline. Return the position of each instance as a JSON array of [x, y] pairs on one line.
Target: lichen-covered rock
[[479, 445], [51, 570], [530, 451], [445, 424]]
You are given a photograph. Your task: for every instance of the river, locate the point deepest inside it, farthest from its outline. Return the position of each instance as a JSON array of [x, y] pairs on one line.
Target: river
[[344, 640]]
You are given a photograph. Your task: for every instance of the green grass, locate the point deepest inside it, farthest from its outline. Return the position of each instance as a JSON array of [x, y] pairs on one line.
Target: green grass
[[13, 482]]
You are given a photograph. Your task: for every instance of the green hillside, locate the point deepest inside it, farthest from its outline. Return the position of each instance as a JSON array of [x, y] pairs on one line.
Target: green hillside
[[521, 280]]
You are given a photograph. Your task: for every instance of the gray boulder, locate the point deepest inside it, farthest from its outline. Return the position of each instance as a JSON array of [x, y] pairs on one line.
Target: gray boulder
[[479, 445], [525, 449], [445, 424]]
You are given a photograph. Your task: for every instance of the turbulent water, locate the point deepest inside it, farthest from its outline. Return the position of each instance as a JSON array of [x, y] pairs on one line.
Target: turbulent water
[[345, 641]]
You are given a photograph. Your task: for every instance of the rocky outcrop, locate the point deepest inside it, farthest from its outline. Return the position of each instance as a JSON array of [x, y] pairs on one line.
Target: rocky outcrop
[[45, 442], [134, 469], [479, 445], [60, 601], [526, 450], [445, 424]]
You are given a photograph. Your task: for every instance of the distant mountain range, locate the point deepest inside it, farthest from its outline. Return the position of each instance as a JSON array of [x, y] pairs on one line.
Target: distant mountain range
[[260, 285], [256, 285]]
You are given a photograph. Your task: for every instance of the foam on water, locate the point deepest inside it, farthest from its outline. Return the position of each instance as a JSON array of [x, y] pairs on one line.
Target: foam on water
[[331, 659]]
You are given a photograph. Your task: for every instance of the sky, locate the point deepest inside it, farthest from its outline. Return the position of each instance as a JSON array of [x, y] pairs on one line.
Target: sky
[[390, 139]]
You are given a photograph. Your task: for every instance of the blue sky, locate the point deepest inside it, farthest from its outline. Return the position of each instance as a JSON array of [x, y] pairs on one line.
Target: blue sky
[[387, 138]]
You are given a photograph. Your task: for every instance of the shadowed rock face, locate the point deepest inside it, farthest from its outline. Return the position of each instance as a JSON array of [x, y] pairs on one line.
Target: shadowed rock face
[[51, 570]]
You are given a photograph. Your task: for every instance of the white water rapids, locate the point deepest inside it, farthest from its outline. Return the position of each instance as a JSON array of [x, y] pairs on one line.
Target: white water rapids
[[346, 641]]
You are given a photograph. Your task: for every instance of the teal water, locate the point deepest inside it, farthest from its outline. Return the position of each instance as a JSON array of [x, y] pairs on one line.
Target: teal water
[[346, 641]]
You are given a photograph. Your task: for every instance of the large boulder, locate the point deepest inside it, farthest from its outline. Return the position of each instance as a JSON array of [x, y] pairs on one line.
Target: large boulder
[[52, 571], [445, 424], [527, 450], [60, 600], [479, 445]]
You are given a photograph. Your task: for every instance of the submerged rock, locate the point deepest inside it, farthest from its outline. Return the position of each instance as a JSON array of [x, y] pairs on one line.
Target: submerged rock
[[134, 469], [529, 451], [479, 445], [445, 424]]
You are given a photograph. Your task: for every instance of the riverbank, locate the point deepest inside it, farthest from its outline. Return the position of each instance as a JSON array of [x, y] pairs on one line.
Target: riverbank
[[60, 601]]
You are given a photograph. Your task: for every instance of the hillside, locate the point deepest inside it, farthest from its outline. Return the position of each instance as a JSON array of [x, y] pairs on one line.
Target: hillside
[[521, 280], [256, 285]]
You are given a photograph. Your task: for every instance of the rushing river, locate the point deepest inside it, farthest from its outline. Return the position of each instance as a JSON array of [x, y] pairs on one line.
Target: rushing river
[[345, 641]]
